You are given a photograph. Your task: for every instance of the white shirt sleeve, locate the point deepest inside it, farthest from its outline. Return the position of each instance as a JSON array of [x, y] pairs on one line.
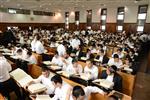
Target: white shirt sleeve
[[9, 68], [91, 89]]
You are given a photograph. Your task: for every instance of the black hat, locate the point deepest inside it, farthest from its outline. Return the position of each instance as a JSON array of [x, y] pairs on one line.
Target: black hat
[[113, 68]]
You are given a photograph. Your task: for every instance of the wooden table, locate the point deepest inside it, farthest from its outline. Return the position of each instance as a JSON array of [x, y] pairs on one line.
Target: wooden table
[[1, 97]]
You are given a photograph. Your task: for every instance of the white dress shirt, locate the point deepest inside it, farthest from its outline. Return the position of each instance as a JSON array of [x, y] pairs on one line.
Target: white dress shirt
[[120, 55], [61, 93], [74, 70], [47, 82], [39, 48], [90, 89], [112, 62], [61, 50], [57, 61], [5, 67], [32, 59], [33, 45], [67, 62], [93, 71], [75, 43], [110, 78]]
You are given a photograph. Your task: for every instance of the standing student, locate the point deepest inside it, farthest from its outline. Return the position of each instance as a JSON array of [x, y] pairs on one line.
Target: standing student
[[7, 84], [39, 48], [33, 44]]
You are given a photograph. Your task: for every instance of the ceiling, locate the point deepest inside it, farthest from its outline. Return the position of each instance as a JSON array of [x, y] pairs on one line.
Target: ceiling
[[46, 5]]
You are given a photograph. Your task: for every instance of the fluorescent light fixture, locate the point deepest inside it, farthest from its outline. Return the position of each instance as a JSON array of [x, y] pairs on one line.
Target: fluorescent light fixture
[[30, 28], [67, 22], [103, 17], [8, 28], [12, 11], [67, 27], [120, 17], [140, 28], [103, 27], [67, 19], [120, 28], [142, 16], [77, 22]]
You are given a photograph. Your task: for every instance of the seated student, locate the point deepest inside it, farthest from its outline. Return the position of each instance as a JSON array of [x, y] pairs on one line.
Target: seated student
[[7, 84], [61, 49], [62, 90], [24, 51], [19, 53], [102, 57], [56, 60], [119, 52], [45, 79], [79, 93], [91, 70], [115, 61], [110, 74], [78, 53], [67, 60], [88, 53], [74, 68], [31, 58]]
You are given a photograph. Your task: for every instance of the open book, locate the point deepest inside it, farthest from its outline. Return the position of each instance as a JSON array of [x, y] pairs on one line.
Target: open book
[[128, 69], [21, 77], [55, 67], [104, 83], [43, 97], [36, 88], [64, 73], [85, 76], [47, 62], [83, 58]]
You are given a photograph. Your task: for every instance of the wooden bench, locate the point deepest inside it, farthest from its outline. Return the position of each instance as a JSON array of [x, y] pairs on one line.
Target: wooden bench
[[127, 83], [38, 58], [1, 97], [34, 70]]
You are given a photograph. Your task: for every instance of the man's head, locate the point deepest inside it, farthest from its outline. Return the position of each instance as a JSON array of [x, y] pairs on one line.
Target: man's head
[[19, 51], [78, 93], [89, 63], [101, 52], [75, 62], [45, 72], [116, 57], [57, 81], [111, 69]]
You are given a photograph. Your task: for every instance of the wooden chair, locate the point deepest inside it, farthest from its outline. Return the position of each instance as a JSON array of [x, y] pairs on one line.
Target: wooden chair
[[1, 97], [38, 58], [35, 71], [97, 96], [127, 83]]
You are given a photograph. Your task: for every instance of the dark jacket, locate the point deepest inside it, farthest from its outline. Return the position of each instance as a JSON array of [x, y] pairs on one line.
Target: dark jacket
[[117, 80], [105, 59]]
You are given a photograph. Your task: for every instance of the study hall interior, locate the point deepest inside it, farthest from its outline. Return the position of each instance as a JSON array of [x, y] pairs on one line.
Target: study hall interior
[[74, 49]]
